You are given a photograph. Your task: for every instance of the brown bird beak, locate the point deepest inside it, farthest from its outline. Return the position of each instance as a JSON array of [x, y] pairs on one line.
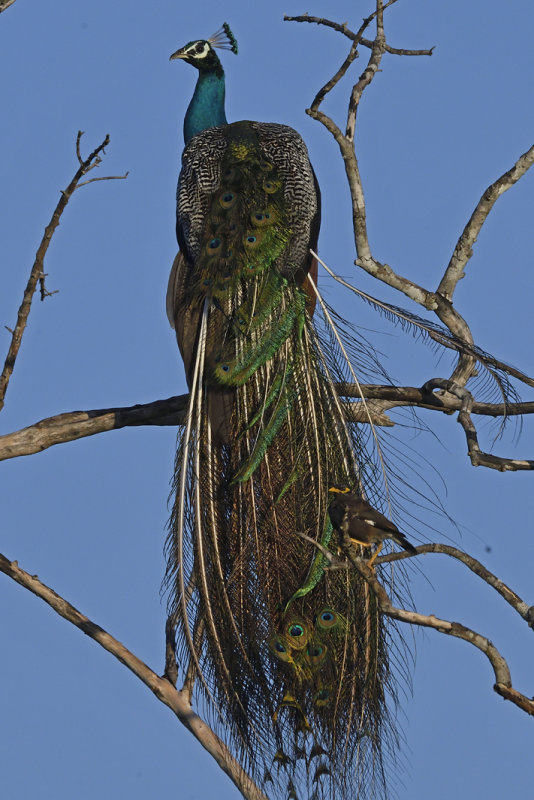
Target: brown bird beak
[[179, 54]]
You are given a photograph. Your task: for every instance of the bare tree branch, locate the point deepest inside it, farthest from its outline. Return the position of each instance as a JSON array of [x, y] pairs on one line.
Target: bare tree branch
[[353, 53], [161, 687], [342, 28], [503, 680], [37, 272], [440, 301], [478, 458], [512, 598], [74, 425], [423, 397], [105, 178], [370, 71], [78, 424], [464, 247], [346, 145], [5, 4]]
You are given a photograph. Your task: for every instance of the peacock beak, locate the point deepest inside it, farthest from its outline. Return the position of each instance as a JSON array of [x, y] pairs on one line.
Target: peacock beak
[[179, 54]]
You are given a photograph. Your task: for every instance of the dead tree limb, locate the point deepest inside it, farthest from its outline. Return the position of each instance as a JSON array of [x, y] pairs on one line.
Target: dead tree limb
[[503, 681], [5, 4], [161, 687], [37, 273], [74, 425]]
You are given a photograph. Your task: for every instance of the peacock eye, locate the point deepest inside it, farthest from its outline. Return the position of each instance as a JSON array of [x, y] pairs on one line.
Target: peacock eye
[[270, 186], [213, 246], [199, 48], [296, 630], [227, 200], [279, 647], [327, 618], [315, 651], [225, 367]]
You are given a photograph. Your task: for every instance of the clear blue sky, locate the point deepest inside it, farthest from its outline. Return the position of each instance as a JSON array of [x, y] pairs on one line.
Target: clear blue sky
[[89, 516]]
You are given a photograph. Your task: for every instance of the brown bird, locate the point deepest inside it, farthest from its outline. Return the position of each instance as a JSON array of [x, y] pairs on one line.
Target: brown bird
[[352, 515]]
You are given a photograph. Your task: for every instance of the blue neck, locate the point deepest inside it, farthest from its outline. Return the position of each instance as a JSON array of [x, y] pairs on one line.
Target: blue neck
[[206, 108]]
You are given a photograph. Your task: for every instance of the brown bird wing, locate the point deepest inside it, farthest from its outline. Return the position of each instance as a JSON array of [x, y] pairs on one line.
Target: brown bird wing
[[364, 511]]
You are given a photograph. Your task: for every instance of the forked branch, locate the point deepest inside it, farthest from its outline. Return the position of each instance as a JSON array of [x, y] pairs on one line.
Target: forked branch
[[439, 301]]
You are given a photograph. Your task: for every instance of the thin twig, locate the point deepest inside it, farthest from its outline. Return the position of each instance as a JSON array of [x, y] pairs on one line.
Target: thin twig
[[105, 178], [163, 689], [401, 51], [37, 272], [342, 28], [78, 150], [44, 290]]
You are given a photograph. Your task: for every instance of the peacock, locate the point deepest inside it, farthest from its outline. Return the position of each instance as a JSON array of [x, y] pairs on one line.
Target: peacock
[[292, 658]]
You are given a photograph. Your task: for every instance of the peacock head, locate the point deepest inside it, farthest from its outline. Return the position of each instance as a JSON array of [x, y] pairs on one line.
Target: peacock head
[[201, 52]]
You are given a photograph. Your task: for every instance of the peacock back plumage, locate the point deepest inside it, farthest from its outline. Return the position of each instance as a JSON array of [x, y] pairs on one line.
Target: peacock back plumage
[[292, 658]]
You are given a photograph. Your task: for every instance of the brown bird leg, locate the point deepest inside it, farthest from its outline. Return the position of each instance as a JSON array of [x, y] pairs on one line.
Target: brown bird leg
[[366, 544], [357, 541], [373, 557]]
